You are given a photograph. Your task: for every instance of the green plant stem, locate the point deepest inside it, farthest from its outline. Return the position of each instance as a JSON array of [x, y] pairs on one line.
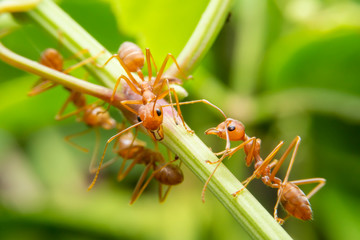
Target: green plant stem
[[192, 151], [66, 80], [17, 6], [202, 38], [249, 45]]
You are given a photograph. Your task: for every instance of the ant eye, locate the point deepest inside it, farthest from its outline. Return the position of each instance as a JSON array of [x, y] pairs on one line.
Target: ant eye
[[138, 118], [231, 128], [158, 112]]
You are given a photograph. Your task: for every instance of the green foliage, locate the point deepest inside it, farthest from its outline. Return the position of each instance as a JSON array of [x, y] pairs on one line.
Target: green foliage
[[252, 72]]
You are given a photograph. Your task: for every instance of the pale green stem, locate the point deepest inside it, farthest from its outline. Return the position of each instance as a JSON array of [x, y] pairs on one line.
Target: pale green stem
[[191, 150], [249, 45], [205, 33], [7, 24], [17, 6]]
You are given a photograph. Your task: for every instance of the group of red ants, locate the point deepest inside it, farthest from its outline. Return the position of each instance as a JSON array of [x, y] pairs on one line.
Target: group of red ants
[[149, 91]]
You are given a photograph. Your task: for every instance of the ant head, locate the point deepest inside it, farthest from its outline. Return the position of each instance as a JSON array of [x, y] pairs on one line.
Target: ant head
[[151, 116], [52, 59], [169, 175], [234, 127]]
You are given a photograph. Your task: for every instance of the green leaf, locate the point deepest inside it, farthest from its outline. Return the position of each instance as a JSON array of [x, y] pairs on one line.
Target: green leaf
[[318, 59], [161, 26]]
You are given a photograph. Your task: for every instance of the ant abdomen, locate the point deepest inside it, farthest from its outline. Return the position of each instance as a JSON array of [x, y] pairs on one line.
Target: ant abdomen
[[169, 175], [132, 56], [52, 59], [295, 202]]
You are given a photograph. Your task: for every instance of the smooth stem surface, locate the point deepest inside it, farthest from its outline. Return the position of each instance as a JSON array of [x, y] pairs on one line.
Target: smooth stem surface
[[191, 150], [205, 33], [17, 6]]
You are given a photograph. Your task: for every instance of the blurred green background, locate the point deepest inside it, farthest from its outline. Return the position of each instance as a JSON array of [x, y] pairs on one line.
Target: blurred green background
[[284, 68]]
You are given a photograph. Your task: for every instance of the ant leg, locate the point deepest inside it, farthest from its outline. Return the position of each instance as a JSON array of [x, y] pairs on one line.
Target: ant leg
[[161, 71], [250, 155], [259, 169], [198, 101], [209, 178], [162, 197], [177, 104], [41, 86], [116, 86], [232, 151], [162, 95], [132, 81], [107, 143], [148, 63], [92, 168], [59, 116], [148, 181], [84, 62], [67, 138], [126, 102], [227, 153], [135, 90], [321, 182], [279, 220], [294, 144], [148, 56], [122, 174], [273, 164], [136, 194], [77, 111]]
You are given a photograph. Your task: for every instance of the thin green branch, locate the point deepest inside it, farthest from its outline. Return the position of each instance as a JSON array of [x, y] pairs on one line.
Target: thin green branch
[[202, 38], [249, 45], [66, 80], [18, 6], [192, 151]]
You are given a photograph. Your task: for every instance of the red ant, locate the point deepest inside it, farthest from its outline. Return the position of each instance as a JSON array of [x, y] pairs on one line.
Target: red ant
[[294, 201], [290, 196], [150, 112]]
